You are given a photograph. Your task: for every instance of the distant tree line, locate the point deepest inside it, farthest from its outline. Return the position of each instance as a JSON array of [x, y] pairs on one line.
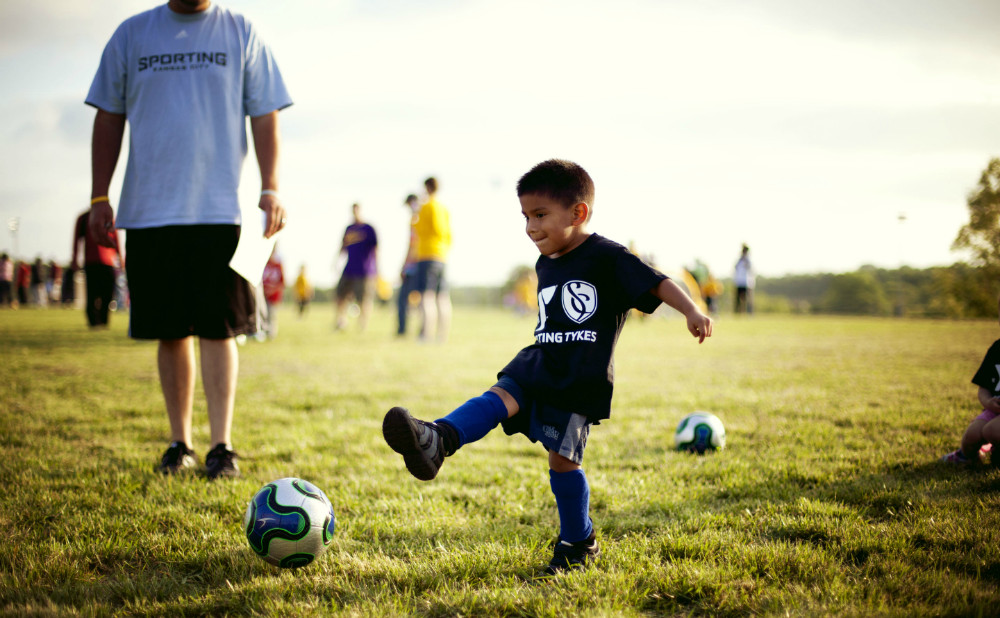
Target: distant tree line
[[962, 290], [957, 291]]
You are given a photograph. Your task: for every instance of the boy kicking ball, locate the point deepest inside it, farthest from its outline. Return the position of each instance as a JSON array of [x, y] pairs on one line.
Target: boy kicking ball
[[555, 389]]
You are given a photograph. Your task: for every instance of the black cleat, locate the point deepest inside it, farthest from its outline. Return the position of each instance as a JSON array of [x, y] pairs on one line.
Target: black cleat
[[221, 462], [420, 443], [577, 555], [177, 458]]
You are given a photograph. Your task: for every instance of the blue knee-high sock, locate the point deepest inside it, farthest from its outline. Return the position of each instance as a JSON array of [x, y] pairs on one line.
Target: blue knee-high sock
[[573, 501], [476, 417]]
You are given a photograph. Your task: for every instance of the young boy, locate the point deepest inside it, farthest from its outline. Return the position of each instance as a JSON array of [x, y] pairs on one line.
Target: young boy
[[553, 390], [984, 430]]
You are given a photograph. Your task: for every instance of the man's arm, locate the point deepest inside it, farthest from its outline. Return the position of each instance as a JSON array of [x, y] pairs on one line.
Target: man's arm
[[266, 144], [106, 145], [81, 222]]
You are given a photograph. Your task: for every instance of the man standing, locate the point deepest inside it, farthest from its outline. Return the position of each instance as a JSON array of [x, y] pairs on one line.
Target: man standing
[[433, 228], [743, 280], [6, 281], [99, 262], [360, 271], [408, 274], [186, 75]]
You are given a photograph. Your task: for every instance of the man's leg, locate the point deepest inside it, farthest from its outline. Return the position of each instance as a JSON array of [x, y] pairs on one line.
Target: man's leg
[[428, 313], [444, 315], [340, 301], [366, 302], [219, 370], [175, 361], [105, 294], [403, 304]]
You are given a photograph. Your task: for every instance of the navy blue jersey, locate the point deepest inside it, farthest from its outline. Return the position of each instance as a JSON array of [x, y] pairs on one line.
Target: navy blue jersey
[[584, 298], [988, 375]]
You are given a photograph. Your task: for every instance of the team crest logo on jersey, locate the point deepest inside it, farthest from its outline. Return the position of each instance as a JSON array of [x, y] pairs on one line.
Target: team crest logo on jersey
[[579, 300]]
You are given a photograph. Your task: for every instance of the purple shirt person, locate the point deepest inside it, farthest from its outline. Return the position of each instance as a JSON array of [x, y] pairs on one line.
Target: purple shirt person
[[360, 272], [360, 242]]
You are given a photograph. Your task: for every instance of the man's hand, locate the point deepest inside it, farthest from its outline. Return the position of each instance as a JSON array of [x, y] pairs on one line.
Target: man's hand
[[102, 223], [275, 213]]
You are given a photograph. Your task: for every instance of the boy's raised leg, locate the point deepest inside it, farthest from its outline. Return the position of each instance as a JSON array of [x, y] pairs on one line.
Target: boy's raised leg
[[424, 445], [421, 444]]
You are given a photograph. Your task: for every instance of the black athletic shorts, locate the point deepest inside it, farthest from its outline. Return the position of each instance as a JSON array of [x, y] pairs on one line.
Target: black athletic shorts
[[180, 283], [559, 431]]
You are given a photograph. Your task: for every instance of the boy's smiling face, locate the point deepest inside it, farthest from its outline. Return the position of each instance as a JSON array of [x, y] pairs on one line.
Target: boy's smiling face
[[555, 229]]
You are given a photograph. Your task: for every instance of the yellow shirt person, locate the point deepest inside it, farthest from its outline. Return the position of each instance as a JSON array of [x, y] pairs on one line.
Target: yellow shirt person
[[433, 227], [303, 291]]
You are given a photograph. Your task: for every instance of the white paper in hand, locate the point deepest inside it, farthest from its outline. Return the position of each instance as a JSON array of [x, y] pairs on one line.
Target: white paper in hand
[[252, 252]]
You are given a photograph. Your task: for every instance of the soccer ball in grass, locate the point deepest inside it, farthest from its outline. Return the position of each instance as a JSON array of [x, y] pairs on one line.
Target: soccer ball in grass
[[699, 432], [289, 522]]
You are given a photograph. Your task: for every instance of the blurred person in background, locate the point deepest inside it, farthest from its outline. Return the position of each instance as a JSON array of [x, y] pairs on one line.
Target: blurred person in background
[[99, 263], [273, 282], [357, 281], [433, 227], [408, 274], [303, 291], [38, 296], [22, 281], [743, 281], [6, 280]]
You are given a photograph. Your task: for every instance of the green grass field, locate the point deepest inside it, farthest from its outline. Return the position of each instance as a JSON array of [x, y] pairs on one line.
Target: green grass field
[[828, 499]]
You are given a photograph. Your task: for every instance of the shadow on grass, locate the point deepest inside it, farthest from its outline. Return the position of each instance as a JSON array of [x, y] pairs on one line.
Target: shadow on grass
[[879, 515]]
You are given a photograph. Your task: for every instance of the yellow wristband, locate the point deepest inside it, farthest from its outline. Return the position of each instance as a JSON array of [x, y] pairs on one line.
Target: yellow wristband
[[103, 198]]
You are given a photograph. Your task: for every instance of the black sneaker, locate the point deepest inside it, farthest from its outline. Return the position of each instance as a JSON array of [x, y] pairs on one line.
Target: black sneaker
[[421, 444], [220, 461], [577, 555], [177, 458]]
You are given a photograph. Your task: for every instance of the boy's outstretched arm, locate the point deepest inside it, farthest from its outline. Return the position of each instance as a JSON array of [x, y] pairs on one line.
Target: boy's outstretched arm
[[699, 324]]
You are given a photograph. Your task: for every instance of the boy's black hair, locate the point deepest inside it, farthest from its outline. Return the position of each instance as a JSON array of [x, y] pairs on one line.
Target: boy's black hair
[[431, 184], [559, 180]]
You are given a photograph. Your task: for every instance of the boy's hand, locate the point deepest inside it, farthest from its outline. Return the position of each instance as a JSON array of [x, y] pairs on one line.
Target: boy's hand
[[994, 405], [699, 325]]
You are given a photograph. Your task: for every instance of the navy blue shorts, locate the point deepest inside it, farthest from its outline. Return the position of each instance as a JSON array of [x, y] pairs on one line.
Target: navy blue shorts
[[558, 430], [430, 276], [181, 285]]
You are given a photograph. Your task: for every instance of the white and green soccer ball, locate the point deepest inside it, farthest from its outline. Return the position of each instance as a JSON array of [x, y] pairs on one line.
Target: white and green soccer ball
[[699, 432], [289, 523]]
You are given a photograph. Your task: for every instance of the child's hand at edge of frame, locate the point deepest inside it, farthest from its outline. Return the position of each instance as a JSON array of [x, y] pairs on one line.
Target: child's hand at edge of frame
[[699, 325]]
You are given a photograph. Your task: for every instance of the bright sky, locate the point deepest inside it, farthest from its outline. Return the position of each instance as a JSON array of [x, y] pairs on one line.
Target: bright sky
[[804, 128]]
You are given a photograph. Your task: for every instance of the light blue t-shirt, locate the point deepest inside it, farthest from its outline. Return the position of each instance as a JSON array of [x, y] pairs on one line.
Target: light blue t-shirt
[[186, 84]]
